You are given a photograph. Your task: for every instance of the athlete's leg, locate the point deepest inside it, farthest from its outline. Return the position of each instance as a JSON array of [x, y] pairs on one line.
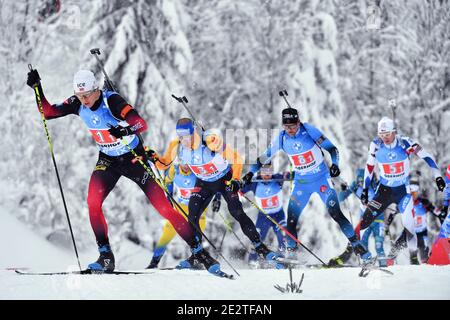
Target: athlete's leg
[[103, 180], [297, 202]]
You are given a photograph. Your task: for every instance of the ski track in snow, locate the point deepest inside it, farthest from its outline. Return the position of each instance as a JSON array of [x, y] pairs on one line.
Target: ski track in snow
[[409, 282], [22, 247]]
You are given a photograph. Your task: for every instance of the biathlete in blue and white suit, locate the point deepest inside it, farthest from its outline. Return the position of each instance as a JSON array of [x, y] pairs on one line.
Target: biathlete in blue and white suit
[[444, 216], [391, 153], [303, 144], [376, 228], [268, 191]]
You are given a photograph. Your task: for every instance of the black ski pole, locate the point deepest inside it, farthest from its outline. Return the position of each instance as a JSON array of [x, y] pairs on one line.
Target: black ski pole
[[41, 110], [109, 84], [183, 100], [283, 93], [164, 187]]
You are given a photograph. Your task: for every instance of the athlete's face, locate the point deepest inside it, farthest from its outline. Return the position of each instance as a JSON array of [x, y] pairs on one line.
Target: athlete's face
[[266, 173], [184, 168], [387, 137], [291, 129], [415, 195], [187, 141], [89, 98]]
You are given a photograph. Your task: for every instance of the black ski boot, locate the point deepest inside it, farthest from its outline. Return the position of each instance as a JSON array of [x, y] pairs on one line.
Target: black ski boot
[[342, 258], [154, 263], [105, 263], [413, 259], [211, 264], [361, 250]]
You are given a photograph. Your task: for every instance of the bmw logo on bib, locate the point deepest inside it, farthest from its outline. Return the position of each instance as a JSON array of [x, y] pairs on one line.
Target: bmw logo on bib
[[392, 155], [95, 119], [298, 146]]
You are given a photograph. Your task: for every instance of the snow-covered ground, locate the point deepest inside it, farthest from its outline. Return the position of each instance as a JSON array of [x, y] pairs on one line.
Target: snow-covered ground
[[20, 247]]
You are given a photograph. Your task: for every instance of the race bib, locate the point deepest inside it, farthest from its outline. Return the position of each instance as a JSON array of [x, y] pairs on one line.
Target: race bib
[[102, 136], [186, 193], [303, 160], [271, 202], [392, 170], [204, 170]]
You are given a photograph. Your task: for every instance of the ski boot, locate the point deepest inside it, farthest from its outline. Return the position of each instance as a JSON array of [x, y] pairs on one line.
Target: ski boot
[[291, 253], [203, 257], [361, 250], [269, 255], [342, 258], [413, 259], [105, 263], [190, 263], [157, 256], [382, 262], [154, 263]]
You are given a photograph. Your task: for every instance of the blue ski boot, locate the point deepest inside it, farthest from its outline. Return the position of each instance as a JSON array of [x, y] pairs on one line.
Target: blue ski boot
[[361, 250], [105, 263], [269, 255], [203, 256], [190, 263]]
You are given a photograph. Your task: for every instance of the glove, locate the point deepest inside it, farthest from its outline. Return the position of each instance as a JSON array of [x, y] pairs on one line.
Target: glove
[[119, 132], [365, 196], [216, 205], [387, 233], [152, 155], [233, 186], [344, 187], [334, 171], [440, 183], [33, 78], [441, 213], [248, 178]]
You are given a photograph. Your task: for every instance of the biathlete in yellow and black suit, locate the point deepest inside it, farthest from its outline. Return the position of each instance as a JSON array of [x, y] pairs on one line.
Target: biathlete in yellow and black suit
[[218, 169], [180, 182]]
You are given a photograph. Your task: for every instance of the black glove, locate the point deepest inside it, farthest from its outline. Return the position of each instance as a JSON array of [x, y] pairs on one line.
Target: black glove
[[233, 186], [443, 214], [334, 171], [216, 205], [440, 183], [152, 155], [365, 196], [120, 132], [344, 186], [33, 79], [248, 178]]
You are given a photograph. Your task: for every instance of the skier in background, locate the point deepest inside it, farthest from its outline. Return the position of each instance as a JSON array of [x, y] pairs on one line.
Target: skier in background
[[180, 181], [422, 206], [444, 217], [391, 153], [114, 125], [269, 197], [303, 144], [376, 228], [218, 170]]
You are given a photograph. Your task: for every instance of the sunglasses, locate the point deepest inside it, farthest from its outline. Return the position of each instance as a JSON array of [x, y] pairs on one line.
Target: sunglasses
[[186, 137], [290, 126], [85, 95], [385, 134]]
